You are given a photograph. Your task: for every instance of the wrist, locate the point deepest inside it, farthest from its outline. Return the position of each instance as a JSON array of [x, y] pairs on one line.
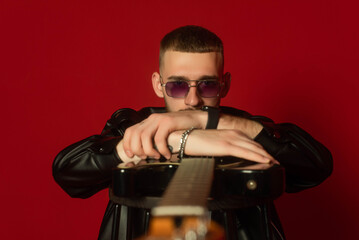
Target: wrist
[[200, 118], [183, 142], [249, 127], [253, 128], [174, 140]]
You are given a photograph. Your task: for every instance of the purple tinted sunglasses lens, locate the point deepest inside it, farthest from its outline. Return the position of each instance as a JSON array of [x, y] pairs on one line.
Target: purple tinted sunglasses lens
[[177, 89], [208, 89]]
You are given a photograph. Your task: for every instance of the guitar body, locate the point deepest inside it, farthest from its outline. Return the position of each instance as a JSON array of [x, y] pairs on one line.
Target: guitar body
[[236, 183]]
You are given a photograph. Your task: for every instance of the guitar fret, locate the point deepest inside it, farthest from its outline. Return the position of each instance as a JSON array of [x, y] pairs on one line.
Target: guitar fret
[[187, 192]]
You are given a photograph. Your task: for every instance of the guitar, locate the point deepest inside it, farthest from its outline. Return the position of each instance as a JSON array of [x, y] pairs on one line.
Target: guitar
[[195, 184], [237, 183], [182, 211]]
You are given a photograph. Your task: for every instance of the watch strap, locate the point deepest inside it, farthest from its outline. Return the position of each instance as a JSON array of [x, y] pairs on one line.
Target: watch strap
[[213, 116]]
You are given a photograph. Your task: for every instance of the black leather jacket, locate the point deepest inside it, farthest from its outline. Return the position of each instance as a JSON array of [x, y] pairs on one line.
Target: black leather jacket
[[84, 168]]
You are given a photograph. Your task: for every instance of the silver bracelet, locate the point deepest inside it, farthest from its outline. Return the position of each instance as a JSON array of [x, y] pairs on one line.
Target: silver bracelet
[[183, 142]]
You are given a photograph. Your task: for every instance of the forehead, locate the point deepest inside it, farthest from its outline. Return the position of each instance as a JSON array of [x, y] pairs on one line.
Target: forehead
[[191, 64]]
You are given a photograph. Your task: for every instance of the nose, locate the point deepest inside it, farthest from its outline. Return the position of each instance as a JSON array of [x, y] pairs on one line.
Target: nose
[[193, 99]]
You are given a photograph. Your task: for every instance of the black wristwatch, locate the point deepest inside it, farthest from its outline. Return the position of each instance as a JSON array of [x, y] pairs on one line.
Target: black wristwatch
[[213, 116]]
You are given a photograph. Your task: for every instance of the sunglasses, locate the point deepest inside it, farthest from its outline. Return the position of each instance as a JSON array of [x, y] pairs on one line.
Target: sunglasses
[[206, 88]]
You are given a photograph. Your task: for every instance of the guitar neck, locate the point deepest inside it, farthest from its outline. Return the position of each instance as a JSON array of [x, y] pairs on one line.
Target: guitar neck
[[188, 190]]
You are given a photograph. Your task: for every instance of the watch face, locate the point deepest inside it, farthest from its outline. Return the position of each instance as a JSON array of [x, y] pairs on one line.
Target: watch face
[[207, 108]]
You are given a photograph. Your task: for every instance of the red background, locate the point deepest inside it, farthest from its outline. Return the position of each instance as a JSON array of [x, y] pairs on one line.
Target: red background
[[67, 65]]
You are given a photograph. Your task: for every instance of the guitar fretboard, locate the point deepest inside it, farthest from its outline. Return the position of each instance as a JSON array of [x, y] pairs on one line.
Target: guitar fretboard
[[188, 190]]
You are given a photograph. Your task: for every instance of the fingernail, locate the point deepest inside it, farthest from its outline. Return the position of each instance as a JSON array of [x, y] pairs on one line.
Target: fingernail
[[129, 153]]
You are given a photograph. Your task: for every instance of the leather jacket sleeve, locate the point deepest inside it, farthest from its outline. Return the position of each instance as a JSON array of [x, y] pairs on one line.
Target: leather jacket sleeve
[[306, 161], [84, 168]]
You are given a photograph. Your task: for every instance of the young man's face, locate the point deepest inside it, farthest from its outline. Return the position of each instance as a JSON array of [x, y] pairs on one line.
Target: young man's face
[[181, 66]]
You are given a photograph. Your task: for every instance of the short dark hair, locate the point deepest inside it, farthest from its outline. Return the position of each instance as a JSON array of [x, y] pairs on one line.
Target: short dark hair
[[194, 39]]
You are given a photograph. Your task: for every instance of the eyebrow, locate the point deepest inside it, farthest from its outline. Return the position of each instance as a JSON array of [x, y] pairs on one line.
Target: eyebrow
[[183, 78]]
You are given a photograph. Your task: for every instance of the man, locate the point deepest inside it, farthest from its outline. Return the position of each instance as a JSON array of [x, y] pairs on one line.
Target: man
[[192, 83]]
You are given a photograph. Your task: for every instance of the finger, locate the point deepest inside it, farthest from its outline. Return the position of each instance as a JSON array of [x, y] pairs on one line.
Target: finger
[[147, 145], [250, 155], [262, 153], [275, 161], [126, 142], [142, 162], [121, 165], [259, 151], [161, 143], [252, 146], [131, 137], [136, 144], [130, 164], [162, 147]]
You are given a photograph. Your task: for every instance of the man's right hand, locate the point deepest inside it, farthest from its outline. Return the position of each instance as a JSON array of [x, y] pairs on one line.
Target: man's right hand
[[149, 137]]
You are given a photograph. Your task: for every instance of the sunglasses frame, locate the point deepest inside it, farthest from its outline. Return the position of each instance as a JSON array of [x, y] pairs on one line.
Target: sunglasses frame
[[197, 82]]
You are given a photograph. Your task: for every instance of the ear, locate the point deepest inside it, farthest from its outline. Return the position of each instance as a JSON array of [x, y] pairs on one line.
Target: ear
[[156, 84], [226, 84]]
